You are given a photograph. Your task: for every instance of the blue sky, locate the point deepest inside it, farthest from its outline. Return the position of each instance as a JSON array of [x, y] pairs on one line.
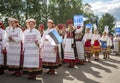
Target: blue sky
[[88, 1], [105, 6]]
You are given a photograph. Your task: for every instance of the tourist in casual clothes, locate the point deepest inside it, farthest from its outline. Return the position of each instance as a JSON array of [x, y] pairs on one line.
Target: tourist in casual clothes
[[32, 65], [2, 47], [87, 43], [14, 38], [96, 43], [49, 52], [70, 52]]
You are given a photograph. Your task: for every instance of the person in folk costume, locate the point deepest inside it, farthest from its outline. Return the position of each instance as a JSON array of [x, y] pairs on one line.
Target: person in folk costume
[[49, 52], [70, 52], [32, 65], [105, 43], [62, 33], [26, 25], [2, 48], [87, 43], [109, 45], [80, 44], [6, 29], [60, 28], [9, 23], [41, 29], [96, 43], [14, 39]]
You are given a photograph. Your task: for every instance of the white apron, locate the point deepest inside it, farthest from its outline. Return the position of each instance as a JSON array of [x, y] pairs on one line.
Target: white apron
[[68, 50], [48, 53]]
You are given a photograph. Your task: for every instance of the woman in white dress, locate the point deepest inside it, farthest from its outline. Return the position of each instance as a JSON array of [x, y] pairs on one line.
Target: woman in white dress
[[96, 43], [87, 43], [32, 64], [14, 39], [2, 48], [49, 52]]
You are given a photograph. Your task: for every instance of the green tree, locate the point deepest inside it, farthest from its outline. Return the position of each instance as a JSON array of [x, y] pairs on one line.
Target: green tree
[[106, 20], [57, 10]]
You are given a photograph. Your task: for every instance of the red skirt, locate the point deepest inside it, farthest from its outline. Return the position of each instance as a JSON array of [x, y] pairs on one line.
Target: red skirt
[[88, 47], [96, 46]]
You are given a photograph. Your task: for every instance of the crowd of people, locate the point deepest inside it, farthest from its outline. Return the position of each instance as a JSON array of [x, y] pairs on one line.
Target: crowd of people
[[28, 51]]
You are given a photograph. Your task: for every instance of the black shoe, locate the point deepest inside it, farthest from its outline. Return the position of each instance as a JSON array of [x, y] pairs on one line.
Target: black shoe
[[13, 74], [104, 58], [18, 75], [1, 72], [70, 66], [89, 61], [48, 72], [96, 59], [31, 78]]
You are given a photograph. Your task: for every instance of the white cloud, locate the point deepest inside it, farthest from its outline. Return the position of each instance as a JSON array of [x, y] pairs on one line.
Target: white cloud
[[112, 7]]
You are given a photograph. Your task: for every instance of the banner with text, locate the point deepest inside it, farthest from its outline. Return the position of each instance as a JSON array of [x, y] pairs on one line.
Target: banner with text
[[78, 20]]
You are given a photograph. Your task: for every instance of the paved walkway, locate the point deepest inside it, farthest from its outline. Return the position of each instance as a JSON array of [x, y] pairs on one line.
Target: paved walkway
[[103, 71]]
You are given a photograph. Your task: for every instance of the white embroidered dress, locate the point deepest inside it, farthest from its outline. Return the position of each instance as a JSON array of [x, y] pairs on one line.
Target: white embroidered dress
[[14, 47], [2, 44], [31, 49]]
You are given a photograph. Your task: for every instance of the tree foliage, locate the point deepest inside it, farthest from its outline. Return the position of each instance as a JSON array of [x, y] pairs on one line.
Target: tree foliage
[[57, 10], [106, 20]]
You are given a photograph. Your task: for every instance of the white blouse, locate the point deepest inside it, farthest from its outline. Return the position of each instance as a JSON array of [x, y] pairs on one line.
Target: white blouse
[[95, 37], [15, 33], [107, 39], [87, 36]]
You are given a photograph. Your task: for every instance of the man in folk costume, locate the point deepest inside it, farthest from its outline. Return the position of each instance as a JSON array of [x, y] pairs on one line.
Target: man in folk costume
[[80, 44], [2, 48], [49, 52], [14, 38], [96, 43], [106, 43], [70, 52], [32, 64], [87, 43], [41, 29]]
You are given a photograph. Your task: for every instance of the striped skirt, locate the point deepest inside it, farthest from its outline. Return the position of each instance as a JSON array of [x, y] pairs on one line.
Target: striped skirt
[[96, 46], [14, 56], [88, 47], [32, 60], [50, 56]]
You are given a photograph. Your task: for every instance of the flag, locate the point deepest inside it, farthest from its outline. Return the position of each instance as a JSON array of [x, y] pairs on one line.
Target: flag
[[85, 18], [53, 37], [78, 20], [117, 30]]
